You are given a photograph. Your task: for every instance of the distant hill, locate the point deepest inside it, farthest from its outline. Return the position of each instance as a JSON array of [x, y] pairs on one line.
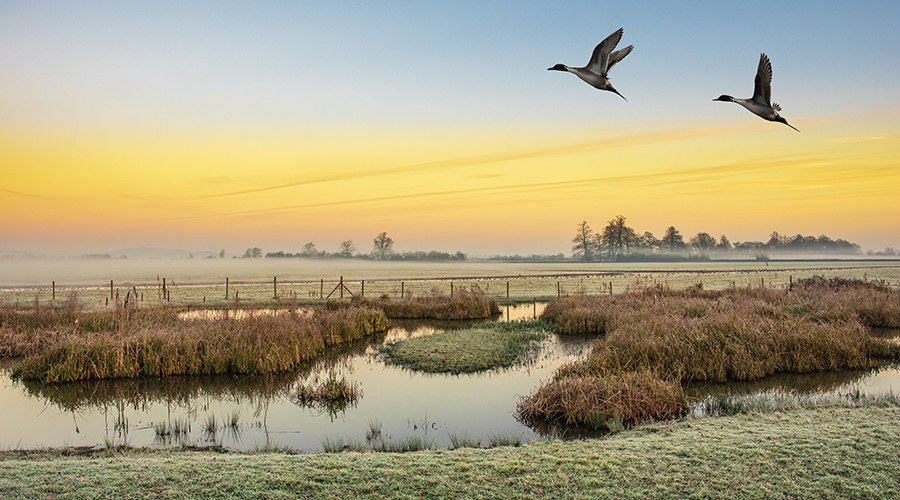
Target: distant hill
[[161, 253]]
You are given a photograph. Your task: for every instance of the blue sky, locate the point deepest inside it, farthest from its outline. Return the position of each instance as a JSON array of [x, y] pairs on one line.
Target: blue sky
[[145, 108], [287, 62]]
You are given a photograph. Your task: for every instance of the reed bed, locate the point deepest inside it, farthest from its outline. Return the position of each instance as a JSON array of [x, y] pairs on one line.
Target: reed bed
[[604, 402], [463, 304], [156, 342], [671, 337]]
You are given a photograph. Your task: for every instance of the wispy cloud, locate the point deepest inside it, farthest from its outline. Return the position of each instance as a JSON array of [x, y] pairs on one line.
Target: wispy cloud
[[682, 176], [27, 195], [523, 154], [864, 140]]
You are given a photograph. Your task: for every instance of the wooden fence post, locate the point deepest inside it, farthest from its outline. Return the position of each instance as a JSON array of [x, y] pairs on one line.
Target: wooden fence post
[[275, 286], [226, 288], [362, 293]]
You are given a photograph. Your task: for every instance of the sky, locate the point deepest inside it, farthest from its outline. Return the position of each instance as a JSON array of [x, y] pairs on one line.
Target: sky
[[228, 125]]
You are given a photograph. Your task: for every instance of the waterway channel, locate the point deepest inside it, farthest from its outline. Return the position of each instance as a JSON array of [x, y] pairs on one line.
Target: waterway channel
[[259, 412]]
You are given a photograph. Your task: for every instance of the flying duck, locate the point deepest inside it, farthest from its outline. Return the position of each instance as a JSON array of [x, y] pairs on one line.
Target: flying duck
[[761, 103], [602, 60]]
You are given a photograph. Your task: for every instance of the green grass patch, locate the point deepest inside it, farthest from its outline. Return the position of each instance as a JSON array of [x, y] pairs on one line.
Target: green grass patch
[[482, 347], [821, 453]]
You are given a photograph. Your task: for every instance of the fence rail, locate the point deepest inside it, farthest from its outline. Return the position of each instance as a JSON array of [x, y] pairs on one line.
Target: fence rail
[[509, 289]]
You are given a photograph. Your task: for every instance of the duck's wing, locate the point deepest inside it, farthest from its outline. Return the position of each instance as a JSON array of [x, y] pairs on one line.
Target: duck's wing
[[600, 58], [762, 90], [618, 56]]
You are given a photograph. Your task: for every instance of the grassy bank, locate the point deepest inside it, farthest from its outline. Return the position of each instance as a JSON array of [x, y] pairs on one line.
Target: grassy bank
[[822, 453], [656, 339], [478, 348], [65, 346], [463, 304]]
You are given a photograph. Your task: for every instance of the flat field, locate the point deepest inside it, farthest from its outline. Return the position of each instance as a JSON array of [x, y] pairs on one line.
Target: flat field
[[270, 281]]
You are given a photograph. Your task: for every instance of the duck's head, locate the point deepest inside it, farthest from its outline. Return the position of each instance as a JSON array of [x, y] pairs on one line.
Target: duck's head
[[610, 88], [780, 119], [723, 97], [558, 67]]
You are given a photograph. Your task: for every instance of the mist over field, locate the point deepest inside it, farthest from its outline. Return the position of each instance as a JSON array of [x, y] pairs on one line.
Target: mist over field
[[35, 272]]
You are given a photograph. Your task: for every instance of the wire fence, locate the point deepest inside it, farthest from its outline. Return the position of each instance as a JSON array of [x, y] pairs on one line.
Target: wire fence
[[506, 289]]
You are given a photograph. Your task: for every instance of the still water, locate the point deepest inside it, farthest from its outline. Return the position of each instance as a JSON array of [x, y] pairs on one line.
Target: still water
[[248, 413]]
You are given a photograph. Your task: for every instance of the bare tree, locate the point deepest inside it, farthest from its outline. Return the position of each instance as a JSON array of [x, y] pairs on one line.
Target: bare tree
[[777, 241], [384, 246], [724, 245], [309, 250], [672, 240], [583, 247], [617, 237], [649, 241], [702, 242], [347, 249], [253, 253]]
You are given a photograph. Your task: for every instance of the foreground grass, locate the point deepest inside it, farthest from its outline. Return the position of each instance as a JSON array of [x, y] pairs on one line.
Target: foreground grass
[[483, 347], [821, 453]]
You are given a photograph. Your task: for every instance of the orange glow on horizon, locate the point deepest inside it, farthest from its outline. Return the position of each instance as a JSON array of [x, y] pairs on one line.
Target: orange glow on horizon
[[286, 188]]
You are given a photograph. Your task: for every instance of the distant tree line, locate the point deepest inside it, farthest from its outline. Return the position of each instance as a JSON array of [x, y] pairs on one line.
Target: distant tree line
[[530, 258], [619, 242], [887, 252], [382, 249]]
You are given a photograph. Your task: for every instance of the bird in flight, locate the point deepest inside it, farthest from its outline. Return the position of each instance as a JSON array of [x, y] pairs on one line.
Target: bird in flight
[[602, 60], [761, 103]]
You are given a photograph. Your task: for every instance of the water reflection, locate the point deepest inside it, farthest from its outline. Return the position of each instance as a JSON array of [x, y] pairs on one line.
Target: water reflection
[[262, 411]]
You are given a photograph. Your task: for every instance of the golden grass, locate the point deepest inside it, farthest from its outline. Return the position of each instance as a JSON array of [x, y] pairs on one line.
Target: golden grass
[[156, 342], [464, 304], [696, 335], [597, 401]]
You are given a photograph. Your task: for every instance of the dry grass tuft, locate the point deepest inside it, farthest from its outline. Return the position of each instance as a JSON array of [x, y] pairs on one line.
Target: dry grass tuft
[[156, 342], [695, 335], [598, 401], [471, 304]]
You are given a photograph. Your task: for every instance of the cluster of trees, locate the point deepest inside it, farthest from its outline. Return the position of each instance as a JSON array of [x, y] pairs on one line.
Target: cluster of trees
[[618, 241], [382, 249]]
